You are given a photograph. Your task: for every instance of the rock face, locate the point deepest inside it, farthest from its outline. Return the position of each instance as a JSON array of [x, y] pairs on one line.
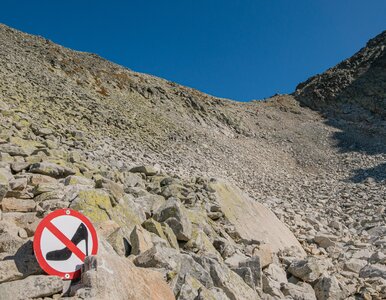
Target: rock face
[[139, 156], [252, 220]]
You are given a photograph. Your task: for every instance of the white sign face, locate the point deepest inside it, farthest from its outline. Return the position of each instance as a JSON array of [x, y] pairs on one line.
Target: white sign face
[[62, 241]]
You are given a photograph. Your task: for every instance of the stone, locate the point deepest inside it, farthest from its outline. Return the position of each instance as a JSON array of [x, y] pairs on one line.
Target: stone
[[276, 273], [175, 190], [26, 221], [20, 265], [174, 214], [51, 169], [115, 189], [96, 204], [159, 257], [18, 184], [79, 180], [13, 150], [308, 269], [271, 287], [325, 240], [19, 166], [147, 170], [372, 271], [4, 185], [193, 289], [328, 288], [200, 243], [264, 251], [140, 240], [119, 243], [10, 242], [150, 203], [252, 220], [354, 265], [232, 284], [246, 274], [155, 227], [132, 180], [31, 287], [254, 265], [114, 277], [378, 257], [36, 179], [190, 268], [17, 205], [299, 291], [170, 236]]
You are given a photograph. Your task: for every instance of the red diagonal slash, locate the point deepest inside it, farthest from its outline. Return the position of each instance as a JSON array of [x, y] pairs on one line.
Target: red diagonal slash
[[67, 242]]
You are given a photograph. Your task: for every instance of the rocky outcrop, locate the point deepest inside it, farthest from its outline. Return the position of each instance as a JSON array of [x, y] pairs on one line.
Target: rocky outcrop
[[358, 80], [252, 220]]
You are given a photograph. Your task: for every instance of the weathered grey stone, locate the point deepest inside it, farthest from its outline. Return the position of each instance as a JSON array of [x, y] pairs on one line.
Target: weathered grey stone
[[300, 291], [328, 288], [118, 241], [232, 284], [354, 265], [265, 253], [308, 269], [10, 242], [170, 236], [150, 203], [252, 220], [325, 240], [193, 289], [271, 287], [189, 267], [79, 180], [174, 214], [109, 276], [31, 287], [4, 185], [147, 170], [13, 150], [159, 257], [51, 169], [140, 240], [276, 273], [375, 270], [17, 205], [115, 189]]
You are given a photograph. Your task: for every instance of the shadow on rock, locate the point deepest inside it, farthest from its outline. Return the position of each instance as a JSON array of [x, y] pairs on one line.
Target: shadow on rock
[[25, 260], [378, 174]]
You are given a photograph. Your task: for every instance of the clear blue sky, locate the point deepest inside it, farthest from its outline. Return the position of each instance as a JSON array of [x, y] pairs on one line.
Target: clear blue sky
[[243, 50]]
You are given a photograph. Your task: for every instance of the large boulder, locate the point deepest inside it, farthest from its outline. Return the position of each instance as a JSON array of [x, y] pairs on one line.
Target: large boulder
[[252, 220], [31, 287], [109, 276]]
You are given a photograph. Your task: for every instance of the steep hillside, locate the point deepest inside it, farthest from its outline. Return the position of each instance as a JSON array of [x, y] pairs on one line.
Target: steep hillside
[[321, 170], [359, 80]]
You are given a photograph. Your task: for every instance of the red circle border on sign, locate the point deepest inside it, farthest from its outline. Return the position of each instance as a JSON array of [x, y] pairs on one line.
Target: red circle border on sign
[[38, 235]]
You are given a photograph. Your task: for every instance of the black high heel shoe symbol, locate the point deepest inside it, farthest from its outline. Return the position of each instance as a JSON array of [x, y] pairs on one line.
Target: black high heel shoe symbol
[[65, 253]]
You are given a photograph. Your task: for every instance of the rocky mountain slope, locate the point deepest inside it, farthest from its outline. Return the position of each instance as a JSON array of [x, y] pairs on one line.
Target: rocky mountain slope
[[143, 158]]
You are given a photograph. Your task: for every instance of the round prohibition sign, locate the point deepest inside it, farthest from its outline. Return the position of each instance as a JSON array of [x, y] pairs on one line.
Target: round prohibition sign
[[62, 241]]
